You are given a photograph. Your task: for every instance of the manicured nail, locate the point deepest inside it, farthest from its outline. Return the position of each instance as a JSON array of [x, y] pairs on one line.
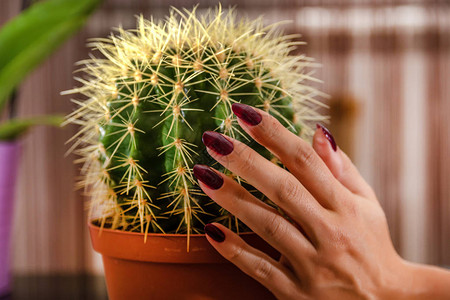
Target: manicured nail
[[217, 142], [206, 175], [215, 233], [328, 135], [246, 113]]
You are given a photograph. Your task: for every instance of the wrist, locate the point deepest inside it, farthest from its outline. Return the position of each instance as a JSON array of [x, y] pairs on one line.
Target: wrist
[[417, 281]]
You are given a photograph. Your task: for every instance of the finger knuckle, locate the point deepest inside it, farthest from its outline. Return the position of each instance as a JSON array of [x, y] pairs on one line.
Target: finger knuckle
[[329, 228], [235, 254], [348, 204], [288, 189], [273, 227], [347, 168], [336, 196], [247, 159], [352, 209], [304, 156], [271, 130], [263, 270], [238, 196], [338, 239]]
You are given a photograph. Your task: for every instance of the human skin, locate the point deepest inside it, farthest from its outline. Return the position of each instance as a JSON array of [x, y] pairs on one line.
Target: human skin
[[337, 244]]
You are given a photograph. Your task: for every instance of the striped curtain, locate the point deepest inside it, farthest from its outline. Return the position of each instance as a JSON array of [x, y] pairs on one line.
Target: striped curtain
[[386, 68]]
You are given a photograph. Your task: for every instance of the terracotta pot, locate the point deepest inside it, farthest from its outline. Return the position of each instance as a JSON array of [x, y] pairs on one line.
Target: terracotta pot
[[161, 268]]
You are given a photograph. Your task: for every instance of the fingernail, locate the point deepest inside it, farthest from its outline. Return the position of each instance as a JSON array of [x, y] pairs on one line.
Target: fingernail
[[328, 135], [246, 113], [208, 176], [217, 142], [215, 233]]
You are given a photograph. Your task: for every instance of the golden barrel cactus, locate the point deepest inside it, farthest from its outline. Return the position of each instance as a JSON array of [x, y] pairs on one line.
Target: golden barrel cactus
[[151, 94]]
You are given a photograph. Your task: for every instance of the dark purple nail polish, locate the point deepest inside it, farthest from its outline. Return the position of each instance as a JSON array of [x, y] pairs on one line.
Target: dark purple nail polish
[[217, 142], [215, 233], [246, 113], [208, 176], [328, 135]]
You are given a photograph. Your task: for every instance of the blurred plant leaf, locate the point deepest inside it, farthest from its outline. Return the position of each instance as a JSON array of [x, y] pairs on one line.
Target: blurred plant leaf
[[30, 37], [12, 129]]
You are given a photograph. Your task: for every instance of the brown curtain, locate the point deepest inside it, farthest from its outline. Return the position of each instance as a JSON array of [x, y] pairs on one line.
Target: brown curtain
[[385, 67]]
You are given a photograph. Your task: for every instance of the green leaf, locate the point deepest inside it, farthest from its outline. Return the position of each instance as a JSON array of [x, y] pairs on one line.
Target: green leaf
[[16, 127], [30, 37], [30, 57]]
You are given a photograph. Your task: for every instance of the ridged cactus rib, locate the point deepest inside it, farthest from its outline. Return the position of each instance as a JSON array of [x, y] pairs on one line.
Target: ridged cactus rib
[[152, 95]]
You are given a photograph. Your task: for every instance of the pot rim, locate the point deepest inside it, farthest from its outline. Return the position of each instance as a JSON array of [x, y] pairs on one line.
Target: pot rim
[[169, 235], [163, 248]]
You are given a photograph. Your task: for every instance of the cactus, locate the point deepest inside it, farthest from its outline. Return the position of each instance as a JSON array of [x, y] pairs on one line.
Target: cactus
[[156, 89]]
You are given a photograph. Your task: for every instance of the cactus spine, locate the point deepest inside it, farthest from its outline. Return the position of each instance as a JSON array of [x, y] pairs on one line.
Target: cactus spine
[[156, 89]]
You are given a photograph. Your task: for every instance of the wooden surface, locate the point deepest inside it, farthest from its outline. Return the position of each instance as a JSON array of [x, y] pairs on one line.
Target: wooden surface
[[392, 59], [58, 287]]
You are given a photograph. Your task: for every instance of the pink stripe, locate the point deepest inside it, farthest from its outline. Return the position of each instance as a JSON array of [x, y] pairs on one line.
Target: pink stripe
[[9, 156]]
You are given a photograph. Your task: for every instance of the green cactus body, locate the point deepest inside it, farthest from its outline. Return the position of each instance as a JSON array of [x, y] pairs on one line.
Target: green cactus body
[[157, 89]]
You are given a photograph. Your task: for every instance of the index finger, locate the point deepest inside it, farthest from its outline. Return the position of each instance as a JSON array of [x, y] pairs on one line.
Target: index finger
[[295, 153]]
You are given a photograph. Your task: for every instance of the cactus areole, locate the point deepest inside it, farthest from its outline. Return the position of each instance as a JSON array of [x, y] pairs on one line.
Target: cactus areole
[[152, 93]]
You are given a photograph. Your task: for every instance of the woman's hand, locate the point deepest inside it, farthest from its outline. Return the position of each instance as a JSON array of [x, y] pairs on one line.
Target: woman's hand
[[338, 245]]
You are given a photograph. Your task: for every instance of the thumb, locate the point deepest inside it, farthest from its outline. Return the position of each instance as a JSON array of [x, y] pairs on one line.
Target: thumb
[[340, 164]]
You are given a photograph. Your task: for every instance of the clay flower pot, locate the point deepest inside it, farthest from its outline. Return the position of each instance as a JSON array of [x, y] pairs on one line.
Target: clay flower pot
[[161, 268]]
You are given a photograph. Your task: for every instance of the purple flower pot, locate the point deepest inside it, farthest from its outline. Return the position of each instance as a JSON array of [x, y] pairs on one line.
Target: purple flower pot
[[9, 158]]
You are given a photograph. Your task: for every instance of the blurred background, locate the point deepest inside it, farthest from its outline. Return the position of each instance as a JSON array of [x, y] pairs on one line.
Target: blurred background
[[385, 65]]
